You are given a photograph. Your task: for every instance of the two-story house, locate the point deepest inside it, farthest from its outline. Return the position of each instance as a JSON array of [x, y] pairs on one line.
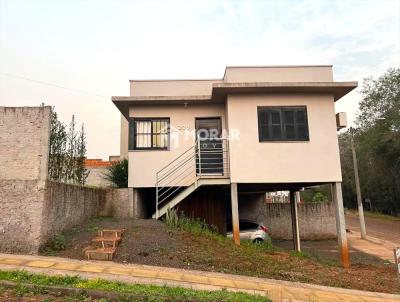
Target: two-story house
[[196, 144]]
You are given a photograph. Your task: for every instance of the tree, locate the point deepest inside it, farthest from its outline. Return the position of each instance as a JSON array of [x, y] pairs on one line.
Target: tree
[[58, 139], [67, 152], [377, 140], [81, 173], [117, 174]]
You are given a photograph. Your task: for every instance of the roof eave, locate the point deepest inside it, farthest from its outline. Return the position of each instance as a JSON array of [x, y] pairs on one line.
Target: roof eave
[[220, 90], [338, 89]]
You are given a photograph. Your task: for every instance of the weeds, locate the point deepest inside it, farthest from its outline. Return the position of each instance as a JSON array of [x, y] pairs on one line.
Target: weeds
[[58, 243], [299, 254], [195, 226], [136, 292]]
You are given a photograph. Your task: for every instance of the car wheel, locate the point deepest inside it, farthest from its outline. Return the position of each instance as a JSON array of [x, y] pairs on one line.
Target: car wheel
[[258, 240]]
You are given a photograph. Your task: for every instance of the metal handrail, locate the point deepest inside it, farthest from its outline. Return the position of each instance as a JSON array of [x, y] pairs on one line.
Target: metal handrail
[[178, 173]]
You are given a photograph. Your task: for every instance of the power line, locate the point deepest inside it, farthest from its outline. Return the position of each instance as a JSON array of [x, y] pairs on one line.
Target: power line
[[52, 84]]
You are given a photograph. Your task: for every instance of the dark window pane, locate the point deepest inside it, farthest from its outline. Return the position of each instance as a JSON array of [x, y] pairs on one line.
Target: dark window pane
[[289, 117], [276, 132], [282, 123], [247, 225], [263, 117], [301, 117], [290, 132], [149, 133], [275, 117], [301, 132], [263, 132]]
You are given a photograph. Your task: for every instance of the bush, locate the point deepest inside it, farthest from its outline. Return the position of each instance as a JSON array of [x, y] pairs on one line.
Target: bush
[[319, 197], [117, 174], [58, 243]]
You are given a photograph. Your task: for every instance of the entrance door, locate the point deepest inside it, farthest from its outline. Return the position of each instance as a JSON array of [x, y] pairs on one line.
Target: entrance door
[[209, 155]]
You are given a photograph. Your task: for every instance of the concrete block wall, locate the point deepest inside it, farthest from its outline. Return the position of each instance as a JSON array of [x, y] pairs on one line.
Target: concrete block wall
[[316, 220]]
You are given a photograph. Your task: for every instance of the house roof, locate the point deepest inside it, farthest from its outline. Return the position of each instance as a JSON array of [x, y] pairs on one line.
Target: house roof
[[237, 80]]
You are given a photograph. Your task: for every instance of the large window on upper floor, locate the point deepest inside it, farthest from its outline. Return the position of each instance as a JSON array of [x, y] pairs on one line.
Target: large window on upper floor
[[148, 133], [283, 123]]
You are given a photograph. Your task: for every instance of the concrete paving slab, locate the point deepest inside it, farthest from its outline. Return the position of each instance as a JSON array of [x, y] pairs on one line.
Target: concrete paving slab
[[91, 268], [277, 290], [40, 263]]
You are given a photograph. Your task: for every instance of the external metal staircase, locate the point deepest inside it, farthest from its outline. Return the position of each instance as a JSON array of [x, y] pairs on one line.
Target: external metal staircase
[[205, 163]]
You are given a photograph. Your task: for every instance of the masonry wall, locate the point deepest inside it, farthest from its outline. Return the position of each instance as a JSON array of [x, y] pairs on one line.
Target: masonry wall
[[316, 220], [118, 204], [68, 205], [24, 140], [33, 209], [96, 177]]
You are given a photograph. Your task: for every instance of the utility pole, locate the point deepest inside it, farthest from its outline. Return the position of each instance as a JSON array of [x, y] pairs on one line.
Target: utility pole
[[358, 190]]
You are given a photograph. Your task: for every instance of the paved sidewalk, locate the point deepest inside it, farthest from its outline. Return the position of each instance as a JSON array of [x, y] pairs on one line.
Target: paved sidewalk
[[275, 289], [374, 246]]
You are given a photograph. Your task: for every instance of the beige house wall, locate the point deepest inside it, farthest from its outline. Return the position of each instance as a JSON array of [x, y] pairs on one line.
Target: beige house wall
[[124, 138], [143, 165], [252, 161], [171, 87], [279, 74]]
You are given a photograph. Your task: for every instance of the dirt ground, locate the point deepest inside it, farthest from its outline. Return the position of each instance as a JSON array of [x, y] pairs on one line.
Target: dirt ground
[[376, 227], [15, 296], [327, 251], [151, 242]]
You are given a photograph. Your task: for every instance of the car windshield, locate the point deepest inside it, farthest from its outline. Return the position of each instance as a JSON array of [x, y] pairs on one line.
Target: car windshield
[[244, 225]]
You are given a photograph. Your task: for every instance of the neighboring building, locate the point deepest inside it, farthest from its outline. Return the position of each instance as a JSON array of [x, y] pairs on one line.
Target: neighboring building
[[260, 129], [96, 168]]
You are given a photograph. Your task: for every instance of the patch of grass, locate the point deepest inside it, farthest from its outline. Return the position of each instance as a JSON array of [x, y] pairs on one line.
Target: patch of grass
[[374, 215], [58, 243], [195, 226], [299, 254], [55, 245], [93, 225], [136, 292]]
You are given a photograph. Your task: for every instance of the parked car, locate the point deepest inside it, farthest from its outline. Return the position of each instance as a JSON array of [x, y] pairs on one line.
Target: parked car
[[250, 230]]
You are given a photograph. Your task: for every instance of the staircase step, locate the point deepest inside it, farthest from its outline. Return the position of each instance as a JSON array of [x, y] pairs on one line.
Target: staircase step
[[104, 254], [111, 232], [106, 241]]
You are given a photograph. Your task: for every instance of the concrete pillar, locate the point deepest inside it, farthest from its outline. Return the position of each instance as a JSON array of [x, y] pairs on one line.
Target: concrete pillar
[[295, 220], [137, 206], [235, 213], [131, 196], [340, 223]]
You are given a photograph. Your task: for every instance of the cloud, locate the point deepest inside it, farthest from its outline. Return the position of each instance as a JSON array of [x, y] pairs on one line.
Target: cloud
[[97, 46]]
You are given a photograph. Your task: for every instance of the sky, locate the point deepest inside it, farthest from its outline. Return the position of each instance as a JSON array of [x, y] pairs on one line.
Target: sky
[[75, 55]]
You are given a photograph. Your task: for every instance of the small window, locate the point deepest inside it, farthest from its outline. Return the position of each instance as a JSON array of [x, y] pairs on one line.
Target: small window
[[282, 124], [148, 133]]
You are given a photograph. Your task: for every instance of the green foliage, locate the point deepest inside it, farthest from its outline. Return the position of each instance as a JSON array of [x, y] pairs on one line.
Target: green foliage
[[377, 144], [299, 254], [117, 174], [58, 243], [136, 292], [316, 194], [319, 197], [67, 152], [195, 226]]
